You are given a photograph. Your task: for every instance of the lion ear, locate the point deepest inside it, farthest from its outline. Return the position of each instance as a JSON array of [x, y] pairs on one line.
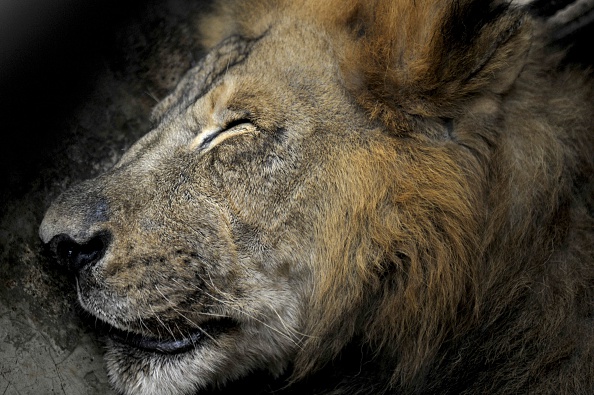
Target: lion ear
[[428, 57]]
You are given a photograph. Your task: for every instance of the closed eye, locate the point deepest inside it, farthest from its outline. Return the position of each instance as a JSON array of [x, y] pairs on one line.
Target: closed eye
[[210, 137]]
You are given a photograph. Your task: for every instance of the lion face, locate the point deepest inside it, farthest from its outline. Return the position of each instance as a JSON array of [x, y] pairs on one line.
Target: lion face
[[336, 174], [197, 249]]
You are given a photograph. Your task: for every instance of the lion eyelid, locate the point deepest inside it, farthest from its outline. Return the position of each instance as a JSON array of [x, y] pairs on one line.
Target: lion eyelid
[[205, 137], [210, 137]]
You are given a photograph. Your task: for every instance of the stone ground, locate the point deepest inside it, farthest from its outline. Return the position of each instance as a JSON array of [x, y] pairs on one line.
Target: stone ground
[[77, 83]]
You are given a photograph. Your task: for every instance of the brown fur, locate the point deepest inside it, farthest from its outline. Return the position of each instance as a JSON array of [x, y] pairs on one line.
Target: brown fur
[[415, 180]]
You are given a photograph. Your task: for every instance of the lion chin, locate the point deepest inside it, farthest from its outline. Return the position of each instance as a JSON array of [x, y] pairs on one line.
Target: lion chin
[[349, 197]]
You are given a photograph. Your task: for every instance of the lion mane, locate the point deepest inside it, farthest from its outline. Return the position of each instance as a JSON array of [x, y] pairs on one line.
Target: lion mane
[[451, 251]]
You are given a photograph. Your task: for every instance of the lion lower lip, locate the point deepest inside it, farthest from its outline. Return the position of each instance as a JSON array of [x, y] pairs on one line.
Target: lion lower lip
[[171, 345], [157, 345]]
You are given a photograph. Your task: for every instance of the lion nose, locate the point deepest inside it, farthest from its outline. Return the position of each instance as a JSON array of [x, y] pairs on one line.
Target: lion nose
[[75, 228], [76, 255]]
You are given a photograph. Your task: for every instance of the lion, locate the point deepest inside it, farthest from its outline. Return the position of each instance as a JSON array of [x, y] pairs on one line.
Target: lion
[[349, 197]]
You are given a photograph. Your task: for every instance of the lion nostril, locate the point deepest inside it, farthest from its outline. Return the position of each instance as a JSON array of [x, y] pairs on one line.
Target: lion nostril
[[78, 255]]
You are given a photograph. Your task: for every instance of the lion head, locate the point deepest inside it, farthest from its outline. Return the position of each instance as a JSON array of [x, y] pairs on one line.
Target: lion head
[[406, 179]]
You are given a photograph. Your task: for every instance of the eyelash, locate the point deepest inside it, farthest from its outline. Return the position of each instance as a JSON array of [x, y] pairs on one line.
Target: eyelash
[[236, 123], [204, 143]]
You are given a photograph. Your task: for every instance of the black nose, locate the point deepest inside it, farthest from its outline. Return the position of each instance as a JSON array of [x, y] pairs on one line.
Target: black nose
[[76, 256]]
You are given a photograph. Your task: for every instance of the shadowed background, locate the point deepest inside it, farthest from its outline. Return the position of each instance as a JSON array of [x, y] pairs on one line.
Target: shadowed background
[[77, 82]]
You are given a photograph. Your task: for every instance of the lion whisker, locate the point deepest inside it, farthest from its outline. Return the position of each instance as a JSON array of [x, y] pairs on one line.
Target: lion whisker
[[205, 314], [194, 324], [253, 317], [167, 328], [220, 291], [142, 323], [293, 330]]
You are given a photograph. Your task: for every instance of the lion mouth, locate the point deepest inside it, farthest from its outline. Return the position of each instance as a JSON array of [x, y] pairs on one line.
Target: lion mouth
[[168, 345]]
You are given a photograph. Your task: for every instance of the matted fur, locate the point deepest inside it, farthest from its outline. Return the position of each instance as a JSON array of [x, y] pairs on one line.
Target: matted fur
[[406, 182]]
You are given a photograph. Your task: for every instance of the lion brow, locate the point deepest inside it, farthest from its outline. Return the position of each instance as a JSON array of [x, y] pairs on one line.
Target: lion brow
[[206, 74]]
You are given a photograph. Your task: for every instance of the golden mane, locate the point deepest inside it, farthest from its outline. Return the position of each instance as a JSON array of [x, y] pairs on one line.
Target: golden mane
[[447, 222]]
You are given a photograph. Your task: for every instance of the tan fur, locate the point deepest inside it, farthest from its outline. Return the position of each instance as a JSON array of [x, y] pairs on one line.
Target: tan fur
[[408, 179]]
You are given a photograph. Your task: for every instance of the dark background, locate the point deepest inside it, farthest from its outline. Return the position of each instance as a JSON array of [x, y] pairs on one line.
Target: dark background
[[77, 82], [50, 55]]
